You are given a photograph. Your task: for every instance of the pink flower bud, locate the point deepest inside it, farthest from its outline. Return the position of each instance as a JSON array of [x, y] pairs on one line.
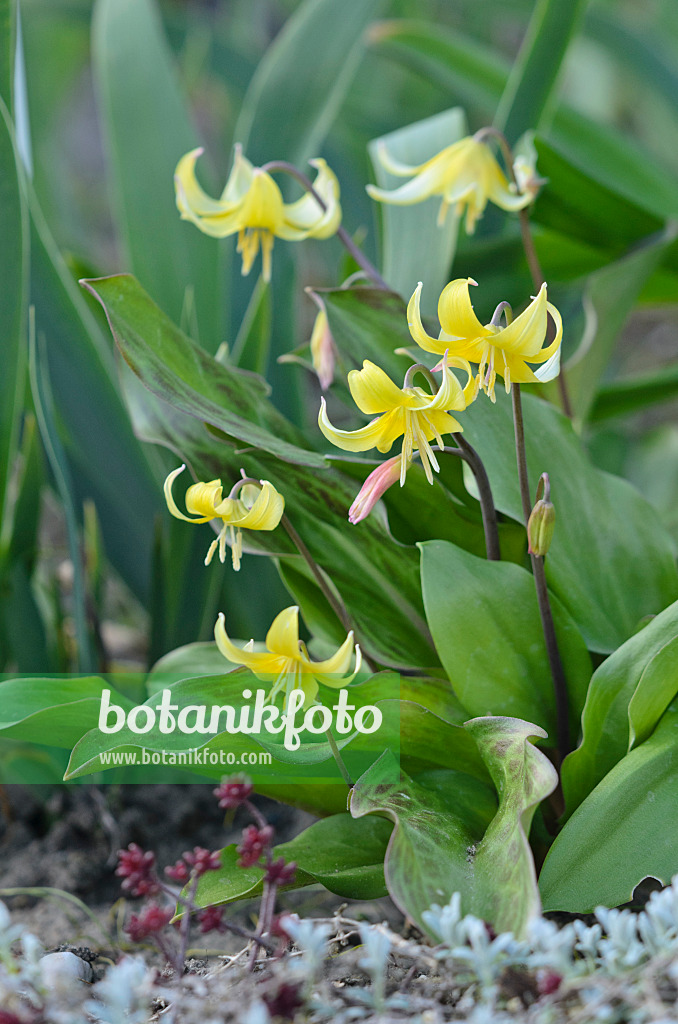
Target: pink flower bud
[[233, 791], [202, 860], [377, 483], [278, 872], [151, 919], [210, 920], [322, 344], [137, 866], [255, 841]]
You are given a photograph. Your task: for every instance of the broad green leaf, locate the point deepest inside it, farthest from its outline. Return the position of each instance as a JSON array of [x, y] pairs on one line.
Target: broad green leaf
[[640, 675], [652, 467], [611, 562], [529, 91], [186, 662], [655, 691], [433, 737], [378, 581], [486, 627], [414, 247], [148, 129], [52, 711], [623, 832], [343, 854], [436, 850], [308, 69], [618, 162], [13, 294], [609, 296]]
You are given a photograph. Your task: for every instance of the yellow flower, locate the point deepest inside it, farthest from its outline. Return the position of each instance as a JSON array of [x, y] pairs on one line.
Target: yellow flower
[[410, 411], [252, 205], [287, 662], [465, 174], [497, 350], [255, 509]]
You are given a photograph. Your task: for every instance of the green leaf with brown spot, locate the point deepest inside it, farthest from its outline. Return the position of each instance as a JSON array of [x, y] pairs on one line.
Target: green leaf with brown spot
[[437, 847]]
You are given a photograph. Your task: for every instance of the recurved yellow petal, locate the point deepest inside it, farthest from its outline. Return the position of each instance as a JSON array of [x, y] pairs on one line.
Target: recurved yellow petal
[[283, 635], [379, 433], [373, 391], [172, 505], [257, 661], [456, 314], [265, 513], [305, 218]]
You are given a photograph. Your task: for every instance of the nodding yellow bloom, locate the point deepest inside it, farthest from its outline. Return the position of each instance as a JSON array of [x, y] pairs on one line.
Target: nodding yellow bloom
[[410, 411], [254, 509], [252, 205], [287, 662], [465, 174], [505, 351]]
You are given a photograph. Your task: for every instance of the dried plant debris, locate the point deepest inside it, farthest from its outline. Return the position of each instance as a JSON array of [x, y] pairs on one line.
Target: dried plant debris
[[621, 968]]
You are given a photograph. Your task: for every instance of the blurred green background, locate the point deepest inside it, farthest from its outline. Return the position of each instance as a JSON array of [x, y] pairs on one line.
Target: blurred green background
[[114, 91]]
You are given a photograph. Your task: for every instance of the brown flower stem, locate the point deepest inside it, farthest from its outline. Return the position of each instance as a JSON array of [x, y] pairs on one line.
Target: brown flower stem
[[336, 606], [470, 456], [531, 256], [342, 234], [487, 509], [334, 603], [545, 612]]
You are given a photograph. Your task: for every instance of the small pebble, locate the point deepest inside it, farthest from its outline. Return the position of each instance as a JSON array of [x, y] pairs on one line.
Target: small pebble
[[60, 968]]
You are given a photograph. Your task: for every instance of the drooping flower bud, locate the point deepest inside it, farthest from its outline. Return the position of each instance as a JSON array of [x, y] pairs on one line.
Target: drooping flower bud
[[376, 484], [542, 521], [322, 344]]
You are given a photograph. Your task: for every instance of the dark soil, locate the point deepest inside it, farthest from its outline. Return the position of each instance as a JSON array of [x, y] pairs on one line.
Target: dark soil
[[68, 841]]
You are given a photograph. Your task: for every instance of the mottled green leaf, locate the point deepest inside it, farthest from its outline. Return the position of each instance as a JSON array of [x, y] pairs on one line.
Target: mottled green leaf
[[377, 579], [435, 851]]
